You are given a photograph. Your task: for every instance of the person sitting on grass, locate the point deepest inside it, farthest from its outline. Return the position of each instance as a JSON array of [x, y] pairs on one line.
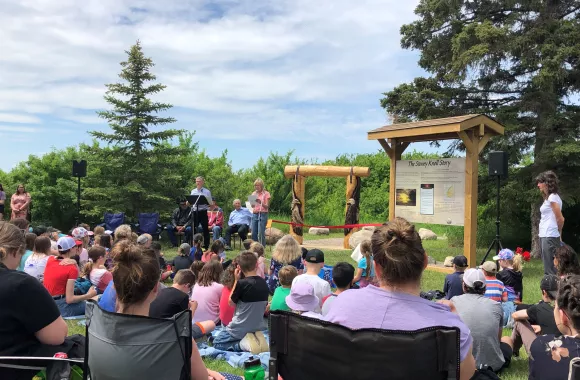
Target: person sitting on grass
[[183, 259], [30, 238], [286, 252], [95, 269], [536, 320], [30, 322], [512, 277], [207, 292], [175, 299], [286, 275], [303, 301], [258, 249], [395, 304], [145, 240], [250, 297], [247, 243], [494, 288], [453, 285], [59, 279], [36, 263], [484, 319], [197, 250], [550, 355], [365, 273], [566, 261], [136, 279], [342, 276], [314, 261], [227, 280]]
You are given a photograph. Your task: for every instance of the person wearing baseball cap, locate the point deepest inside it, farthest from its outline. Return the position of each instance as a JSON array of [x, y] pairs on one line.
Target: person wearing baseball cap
[[494, 288], [314, 261], [81, 235], [537, 319], [302, 300], [484, 318], [60, 275], [512, 277], [453, 283]]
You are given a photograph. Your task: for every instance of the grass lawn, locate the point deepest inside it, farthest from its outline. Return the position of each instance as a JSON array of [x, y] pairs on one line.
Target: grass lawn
[[439, 249]]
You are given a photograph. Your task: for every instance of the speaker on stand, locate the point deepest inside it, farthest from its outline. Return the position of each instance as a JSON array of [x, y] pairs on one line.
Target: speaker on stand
[[79, 170], [498, 168]]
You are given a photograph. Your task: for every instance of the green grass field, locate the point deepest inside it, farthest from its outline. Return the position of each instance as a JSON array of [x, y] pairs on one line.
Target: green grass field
[[439, 249]]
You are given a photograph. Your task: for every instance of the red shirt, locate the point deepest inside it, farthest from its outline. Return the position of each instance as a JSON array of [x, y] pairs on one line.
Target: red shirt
[[226, 311], [56, 276]]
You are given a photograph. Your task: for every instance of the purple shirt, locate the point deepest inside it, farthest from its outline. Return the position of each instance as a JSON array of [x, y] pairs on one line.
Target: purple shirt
[[373, 307]]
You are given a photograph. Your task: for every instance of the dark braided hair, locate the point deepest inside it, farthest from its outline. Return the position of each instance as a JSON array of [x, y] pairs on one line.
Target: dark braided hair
[[568, 299]]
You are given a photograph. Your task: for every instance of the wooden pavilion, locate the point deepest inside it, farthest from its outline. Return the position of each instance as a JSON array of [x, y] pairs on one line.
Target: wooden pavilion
[[473, 130]]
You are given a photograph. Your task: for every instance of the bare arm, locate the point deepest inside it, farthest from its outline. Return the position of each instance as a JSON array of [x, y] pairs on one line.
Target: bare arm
[[237, 274], [198, 370], [467, 366], [520, 315], [559, 217], [70, 293], [53, 334], [358, 275]]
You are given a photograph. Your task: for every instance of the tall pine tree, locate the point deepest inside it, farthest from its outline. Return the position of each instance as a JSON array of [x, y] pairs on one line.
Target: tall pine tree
[[517, 61], [140, 165]]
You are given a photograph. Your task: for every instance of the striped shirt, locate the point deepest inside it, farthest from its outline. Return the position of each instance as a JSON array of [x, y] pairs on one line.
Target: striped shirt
[[495, 289]]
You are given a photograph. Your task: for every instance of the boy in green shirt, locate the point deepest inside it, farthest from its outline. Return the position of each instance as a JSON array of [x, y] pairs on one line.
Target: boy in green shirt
[[285, 275]]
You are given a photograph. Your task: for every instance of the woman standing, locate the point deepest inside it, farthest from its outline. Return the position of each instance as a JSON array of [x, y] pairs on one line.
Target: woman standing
[[19, 203], [260, 217], [551, 220], [2, 201]]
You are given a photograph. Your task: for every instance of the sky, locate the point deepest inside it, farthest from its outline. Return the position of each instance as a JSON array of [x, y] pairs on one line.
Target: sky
[[249, 76]]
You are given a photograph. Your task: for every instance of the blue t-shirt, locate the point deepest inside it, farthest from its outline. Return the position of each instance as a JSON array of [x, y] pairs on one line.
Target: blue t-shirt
[[453, 285], [108, 300], [362, 264], [23, 260]]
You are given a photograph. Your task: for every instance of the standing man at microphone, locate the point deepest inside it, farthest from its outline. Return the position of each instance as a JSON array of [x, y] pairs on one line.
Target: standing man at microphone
[[201, 210]]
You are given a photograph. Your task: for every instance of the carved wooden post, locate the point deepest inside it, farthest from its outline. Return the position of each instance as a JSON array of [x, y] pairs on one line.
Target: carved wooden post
[[298, 206], [351, 212]]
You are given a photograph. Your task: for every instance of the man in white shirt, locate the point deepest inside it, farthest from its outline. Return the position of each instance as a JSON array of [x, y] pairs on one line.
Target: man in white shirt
[[200, 211], [314, 261]]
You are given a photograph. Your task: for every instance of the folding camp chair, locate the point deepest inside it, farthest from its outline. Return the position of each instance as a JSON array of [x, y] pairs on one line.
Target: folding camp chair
[[123, 346], [148, 223], [307, 348], [112, 221]]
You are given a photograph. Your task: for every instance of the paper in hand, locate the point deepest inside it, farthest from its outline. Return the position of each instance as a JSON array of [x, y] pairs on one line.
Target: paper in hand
[[252, 199]]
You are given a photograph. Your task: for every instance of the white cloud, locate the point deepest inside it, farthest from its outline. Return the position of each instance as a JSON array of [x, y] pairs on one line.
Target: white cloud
[[11, 128], [18, 118]]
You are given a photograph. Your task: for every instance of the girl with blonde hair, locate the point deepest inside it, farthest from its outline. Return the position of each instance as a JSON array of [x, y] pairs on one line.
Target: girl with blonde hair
[[286, 252]]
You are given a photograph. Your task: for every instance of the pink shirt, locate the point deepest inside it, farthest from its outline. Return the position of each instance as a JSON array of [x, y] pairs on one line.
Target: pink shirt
[[260, 268], [208, 302], [264, 197]]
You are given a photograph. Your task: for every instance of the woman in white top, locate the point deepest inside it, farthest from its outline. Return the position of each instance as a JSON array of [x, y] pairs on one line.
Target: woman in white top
[[551, 221], [35, 263]]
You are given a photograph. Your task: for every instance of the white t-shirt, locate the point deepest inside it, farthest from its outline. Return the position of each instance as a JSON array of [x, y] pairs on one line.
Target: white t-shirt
[[548, 224], [321, 287], [35, 266]]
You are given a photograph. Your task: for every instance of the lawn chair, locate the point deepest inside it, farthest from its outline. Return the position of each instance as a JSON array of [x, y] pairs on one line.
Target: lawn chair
[[307, 348], [123, 346], [148, 223], [112, 221]]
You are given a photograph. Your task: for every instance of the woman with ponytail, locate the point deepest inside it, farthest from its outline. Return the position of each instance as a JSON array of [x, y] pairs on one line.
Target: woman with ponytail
[[29, 318], [365, 273], [95, 270], [550, 355], [394, 304]]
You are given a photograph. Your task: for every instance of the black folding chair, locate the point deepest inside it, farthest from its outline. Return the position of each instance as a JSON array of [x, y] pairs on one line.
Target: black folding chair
[[306, 348]]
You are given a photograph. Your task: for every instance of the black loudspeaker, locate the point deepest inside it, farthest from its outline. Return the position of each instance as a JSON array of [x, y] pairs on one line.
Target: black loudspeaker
[[498, 164], [79, 168]]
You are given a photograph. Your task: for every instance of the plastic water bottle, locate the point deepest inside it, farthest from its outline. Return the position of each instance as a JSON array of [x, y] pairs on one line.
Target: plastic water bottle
[[253, 369]]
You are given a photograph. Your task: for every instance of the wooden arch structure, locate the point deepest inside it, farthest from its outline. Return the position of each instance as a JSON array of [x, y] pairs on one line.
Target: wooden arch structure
[[299, 173], [475, 132]]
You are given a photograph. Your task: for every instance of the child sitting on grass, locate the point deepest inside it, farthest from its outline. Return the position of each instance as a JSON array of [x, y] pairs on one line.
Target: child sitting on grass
[[454, 282], [512, 277], [286, 275], [314, 261], [227, 280], [258, 249], [342, 275], [196, 250], [494, 288], [250, 297], [365, 272], [303, 301]]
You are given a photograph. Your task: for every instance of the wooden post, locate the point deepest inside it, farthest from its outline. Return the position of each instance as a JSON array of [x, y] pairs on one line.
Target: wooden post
[[471, 142], [392, 176], [298, 189], [352, 192]]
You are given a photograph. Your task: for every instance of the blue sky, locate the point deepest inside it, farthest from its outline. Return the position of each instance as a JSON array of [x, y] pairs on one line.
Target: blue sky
[[249, 76]]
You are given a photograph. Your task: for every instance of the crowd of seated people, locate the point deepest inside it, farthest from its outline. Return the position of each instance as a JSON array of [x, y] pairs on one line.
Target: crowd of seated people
[[382, 290]]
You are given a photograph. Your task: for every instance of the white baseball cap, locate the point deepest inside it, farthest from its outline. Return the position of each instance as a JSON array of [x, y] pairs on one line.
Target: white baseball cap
[[472, 275], [65, 243]]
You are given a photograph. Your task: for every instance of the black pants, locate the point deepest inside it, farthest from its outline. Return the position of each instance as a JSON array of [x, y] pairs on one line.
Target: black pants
[[241, 229], [201, 218]]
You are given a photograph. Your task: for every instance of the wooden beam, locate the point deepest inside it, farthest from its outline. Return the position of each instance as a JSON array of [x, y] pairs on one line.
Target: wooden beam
[[439, 136], [401, 148], [492, 125], [467, 141], [392, 180], [417, 131], [326, 171], [385, 146], [483, 142], [470, 218]]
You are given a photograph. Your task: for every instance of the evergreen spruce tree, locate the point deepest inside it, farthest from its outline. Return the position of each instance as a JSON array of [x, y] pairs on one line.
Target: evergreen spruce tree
[[140, 165]]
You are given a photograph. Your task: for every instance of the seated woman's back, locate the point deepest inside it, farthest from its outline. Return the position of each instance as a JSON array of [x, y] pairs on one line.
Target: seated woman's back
[[399, 262]]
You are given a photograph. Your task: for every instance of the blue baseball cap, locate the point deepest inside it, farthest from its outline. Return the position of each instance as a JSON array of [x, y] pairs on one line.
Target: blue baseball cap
[[504, 254]]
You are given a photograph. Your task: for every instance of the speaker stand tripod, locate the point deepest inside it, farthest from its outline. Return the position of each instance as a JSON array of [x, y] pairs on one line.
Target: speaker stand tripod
[[497, 241]]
